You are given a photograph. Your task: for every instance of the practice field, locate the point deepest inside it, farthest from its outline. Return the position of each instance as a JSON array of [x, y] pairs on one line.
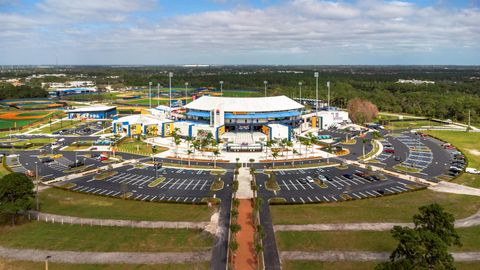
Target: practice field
[[376, 241], [18, 119], [396, 208], [42, 235], [468, 143], [412, 124], [236, 93], [62, 202], [25, 265]]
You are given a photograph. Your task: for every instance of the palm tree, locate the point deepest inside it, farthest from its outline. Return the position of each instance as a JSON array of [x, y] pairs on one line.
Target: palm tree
[[364, 141], [177, 142], [189, 153], [288, 144], [294, 152], [274, 156], [216, 152]]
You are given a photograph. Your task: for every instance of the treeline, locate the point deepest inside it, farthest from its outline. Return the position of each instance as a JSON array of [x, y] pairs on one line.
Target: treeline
[[8, 91]]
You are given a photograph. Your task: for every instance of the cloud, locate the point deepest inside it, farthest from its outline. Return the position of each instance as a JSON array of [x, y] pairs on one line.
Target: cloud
[[288, 28]]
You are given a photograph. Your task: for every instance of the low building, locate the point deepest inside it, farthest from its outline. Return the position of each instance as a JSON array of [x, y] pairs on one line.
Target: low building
[[142, 124], [93, 112]]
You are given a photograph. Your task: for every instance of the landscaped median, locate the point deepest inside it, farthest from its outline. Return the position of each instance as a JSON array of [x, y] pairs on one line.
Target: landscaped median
[[105, 175], [156, 182]]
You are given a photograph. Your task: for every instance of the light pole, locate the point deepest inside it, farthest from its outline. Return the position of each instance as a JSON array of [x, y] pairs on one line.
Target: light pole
[[36, 191], [221, 88], [265, 83], [158, 94], [300, 86], [150, 94], [46, 261], [316, 93], [186, 92], [328, 95], [170, 75]]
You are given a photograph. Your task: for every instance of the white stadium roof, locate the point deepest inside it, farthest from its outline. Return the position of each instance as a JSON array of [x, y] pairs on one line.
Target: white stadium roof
[[92, 109], [244, 104], [144, 119]]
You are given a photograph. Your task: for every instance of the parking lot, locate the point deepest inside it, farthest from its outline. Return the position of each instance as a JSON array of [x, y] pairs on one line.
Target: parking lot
[[294, 186], [179, 185]]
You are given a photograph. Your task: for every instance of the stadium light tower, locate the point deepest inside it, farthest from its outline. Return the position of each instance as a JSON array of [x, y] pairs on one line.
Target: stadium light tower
[[316, 93], [221, 87], [186, 92], [150, 94], [328, 95], [158, 94], [170, 75], [265, 83], [300, 86]]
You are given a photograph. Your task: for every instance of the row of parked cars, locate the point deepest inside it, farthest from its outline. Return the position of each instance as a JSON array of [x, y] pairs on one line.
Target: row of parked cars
[[458, 163]]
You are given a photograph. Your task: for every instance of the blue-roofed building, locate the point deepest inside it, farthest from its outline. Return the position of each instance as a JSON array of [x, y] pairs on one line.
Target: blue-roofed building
[[245, 114]]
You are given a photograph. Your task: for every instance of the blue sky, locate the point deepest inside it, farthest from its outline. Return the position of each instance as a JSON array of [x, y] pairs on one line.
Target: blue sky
[[160, 32]]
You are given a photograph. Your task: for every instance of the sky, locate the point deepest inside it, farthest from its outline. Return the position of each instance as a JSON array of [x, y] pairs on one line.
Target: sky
[[224, 32]]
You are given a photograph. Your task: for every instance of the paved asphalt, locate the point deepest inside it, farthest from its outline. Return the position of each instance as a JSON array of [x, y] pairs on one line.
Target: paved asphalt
[[190, 185]]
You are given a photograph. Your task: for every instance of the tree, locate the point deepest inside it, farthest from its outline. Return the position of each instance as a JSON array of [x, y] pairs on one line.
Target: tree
[[426, 245], [16, 194], [361, 111]]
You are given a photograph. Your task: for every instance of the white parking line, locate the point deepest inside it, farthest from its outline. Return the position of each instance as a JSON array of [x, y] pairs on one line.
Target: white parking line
[[326, 199], [373, 195], [145, 197], [302, 200], [293, 184], [391, 191], [196, 184], [166, 183], [285, 185], [358, 197], [108, 194], [203, 185], [363, 194], [293, 199], [309, 199], [317, 198], [333, 198]]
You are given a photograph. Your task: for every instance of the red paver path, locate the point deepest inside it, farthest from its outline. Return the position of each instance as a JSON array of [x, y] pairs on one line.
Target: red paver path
[[245, 258]]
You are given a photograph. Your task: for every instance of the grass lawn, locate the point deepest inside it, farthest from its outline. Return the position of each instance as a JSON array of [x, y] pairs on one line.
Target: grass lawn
[[42, 235], [63, 202], [395, 208], [135, 146], [25, 265], [4, 123], [318, 265], [412, 124], [64, 124], [468, 143], [361, 240]]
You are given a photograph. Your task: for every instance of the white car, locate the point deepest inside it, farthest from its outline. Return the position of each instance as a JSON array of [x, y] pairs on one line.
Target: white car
[[310, 179], [472, 171]]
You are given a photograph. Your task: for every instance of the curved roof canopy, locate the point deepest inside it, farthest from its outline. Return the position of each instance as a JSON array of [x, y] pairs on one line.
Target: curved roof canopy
[[243, 104]]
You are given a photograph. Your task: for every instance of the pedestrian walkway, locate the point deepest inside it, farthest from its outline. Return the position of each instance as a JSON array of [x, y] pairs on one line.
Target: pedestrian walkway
[[361, 256], [244, 187], [245, 258], [52, 218], [82, 257]]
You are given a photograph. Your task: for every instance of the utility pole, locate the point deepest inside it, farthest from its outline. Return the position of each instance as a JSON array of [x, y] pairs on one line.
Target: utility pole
[[265, 83], [316, 93], [468, 120], [221, 88], [150, 94]]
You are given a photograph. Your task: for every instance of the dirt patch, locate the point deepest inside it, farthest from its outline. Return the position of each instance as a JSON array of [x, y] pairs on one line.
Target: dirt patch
[[474, 152]]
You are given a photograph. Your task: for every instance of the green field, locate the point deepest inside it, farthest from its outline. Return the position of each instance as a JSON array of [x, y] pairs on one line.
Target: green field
[[63, 202], [4, 124], [345, 265], [376, 241], [25, 265], [395, 208], [42, 235], [131, 145], [411, 124], [64, 124], [468, 143], [34, 113]]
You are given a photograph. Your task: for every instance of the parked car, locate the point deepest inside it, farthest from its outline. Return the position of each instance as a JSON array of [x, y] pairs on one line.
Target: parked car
[[310, 179], [348, 176], [47, 160], [389, 150], [322, 177], [472, 171]]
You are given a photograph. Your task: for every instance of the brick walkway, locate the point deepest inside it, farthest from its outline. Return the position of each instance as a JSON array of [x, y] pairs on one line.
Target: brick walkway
[[245, 258]]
